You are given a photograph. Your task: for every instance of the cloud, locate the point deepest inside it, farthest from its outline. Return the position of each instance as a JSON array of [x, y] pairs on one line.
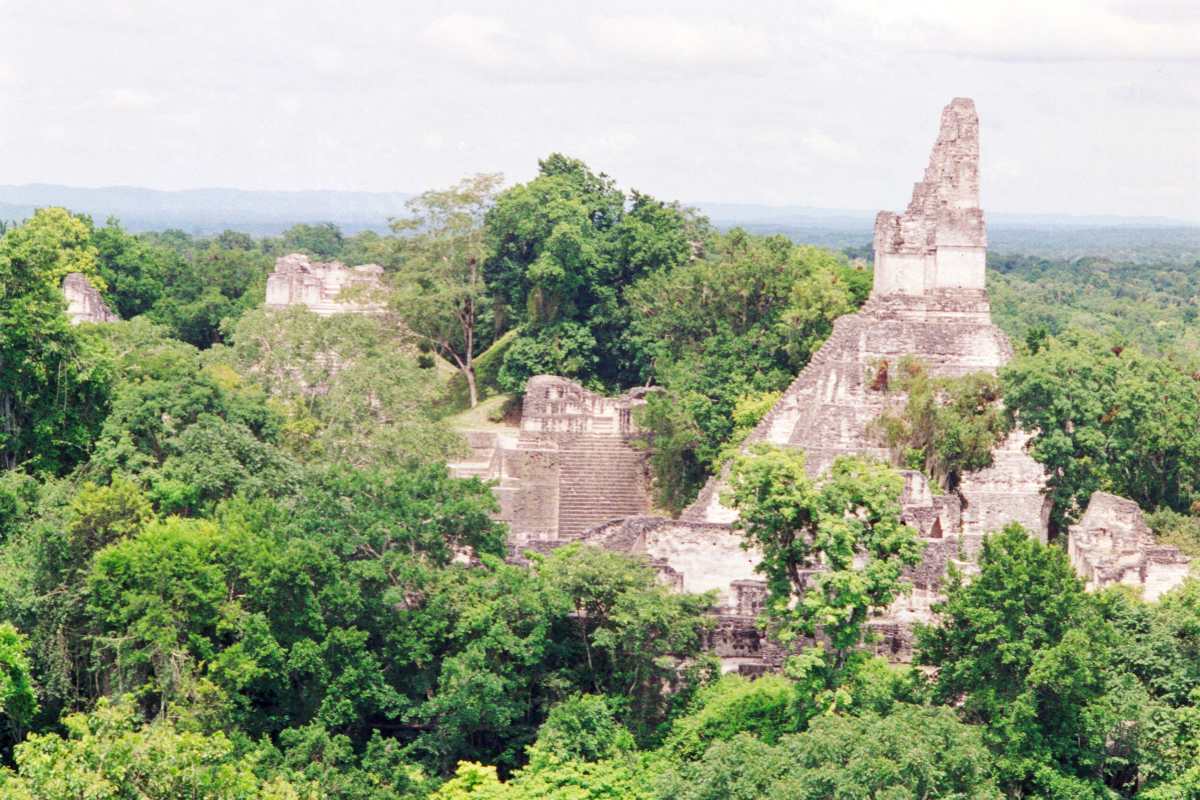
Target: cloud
[[606, 47], [830, 148], [1029, 30], [127, 99], [483, 41], [679, 42]]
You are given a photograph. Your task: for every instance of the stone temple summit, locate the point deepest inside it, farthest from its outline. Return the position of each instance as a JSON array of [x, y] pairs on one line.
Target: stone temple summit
[[570, 472]]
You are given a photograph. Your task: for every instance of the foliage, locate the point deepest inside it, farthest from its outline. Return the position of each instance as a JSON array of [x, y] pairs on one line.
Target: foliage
[[208, 283], [1107, 418], [583, 620], [487, 367], [811, 534], [1172, 527], [562, 248], [133, 269], [439, 291], [18, 703], [1138, 298], [185, 432], [110, 753], [767, 707], [348, 385], [946, 426], [54, 381], [914, 752], [582, 728], [1025, 654], [731, 328], [323, 240]]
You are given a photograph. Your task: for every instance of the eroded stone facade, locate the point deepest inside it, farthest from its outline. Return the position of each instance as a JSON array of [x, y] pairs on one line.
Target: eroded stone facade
[[297, 280], [1112, 544], [84, 303], [571, 466], [940, 240]]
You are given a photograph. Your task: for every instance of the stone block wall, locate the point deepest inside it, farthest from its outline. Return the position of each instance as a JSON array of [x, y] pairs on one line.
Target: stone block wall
[[1112, 544], [572, 465], [84, 303], [297, 280], [940, 240]]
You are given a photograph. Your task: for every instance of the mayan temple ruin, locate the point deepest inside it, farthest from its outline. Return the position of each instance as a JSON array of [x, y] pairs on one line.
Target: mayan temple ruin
[[572, 472], [84, 303], [297, 280]]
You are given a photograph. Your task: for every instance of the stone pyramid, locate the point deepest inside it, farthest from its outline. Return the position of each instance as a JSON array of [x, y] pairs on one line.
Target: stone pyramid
[[929, 302]]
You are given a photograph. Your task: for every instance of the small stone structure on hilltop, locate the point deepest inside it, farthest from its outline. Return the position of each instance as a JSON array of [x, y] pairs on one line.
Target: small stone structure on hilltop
[[297, 280], [84, 303], [1112, 544]]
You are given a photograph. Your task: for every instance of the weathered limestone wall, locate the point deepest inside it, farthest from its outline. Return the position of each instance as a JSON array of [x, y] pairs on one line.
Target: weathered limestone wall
[[1112, 544], [828, 410], [84, 303], [571, 466], [940, 240], [300, 281], [705, 556]]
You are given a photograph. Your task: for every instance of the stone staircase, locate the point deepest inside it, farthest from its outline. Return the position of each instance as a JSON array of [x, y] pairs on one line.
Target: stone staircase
[[602, 478], [482, 462]]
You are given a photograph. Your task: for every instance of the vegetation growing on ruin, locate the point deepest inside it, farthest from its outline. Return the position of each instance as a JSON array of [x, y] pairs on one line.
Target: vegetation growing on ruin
[[942, 426]]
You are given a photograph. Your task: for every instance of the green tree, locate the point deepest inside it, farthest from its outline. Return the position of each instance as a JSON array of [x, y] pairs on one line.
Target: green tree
[[189, 433], [133, 269], [1107, 418], [562, 248], [110, 753], [54, 381], [1022, 651], [348, 386], [947, 426], [735, 324], [914, 752], [209, 283], [811, 534], [18, 701], [322, 240], [440, 295], [519, 641]]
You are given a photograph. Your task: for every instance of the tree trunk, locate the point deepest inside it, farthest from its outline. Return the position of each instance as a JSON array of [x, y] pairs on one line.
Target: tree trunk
[[469, 371]]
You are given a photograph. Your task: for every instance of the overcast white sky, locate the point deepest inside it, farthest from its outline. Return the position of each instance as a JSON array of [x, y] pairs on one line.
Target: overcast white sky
[[1087, 106]]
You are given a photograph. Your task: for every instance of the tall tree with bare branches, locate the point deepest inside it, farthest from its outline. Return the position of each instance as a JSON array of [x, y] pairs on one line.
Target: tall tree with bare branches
[[439, 291]]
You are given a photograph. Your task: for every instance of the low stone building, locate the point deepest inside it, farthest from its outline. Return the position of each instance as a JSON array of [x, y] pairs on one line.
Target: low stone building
[[1112, 544], [297, 280], [572, 464], [84, 302]]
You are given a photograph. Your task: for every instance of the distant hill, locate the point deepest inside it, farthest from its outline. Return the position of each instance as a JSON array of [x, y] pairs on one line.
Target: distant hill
[[1130, 239], [203, 211]]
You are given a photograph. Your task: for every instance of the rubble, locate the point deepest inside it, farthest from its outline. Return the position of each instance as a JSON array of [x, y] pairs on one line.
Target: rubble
[[1112, 544]]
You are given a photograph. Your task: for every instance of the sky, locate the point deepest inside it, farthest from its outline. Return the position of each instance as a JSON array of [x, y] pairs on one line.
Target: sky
[[1086, 106]]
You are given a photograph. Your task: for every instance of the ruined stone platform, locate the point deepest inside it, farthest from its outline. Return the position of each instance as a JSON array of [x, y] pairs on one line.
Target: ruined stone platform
[[84, 302], [1112, 545], [318, 285]]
